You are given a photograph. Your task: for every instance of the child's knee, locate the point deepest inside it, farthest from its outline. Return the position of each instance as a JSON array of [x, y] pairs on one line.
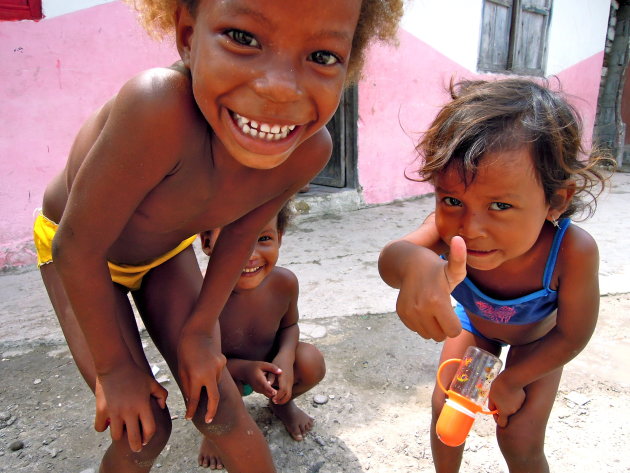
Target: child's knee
[[520, 445], [310, 361], [229, 410], [163, 428]]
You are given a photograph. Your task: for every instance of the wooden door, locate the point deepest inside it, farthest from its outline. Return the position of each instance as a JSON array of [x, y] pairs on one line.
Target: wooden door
[[341, 169]]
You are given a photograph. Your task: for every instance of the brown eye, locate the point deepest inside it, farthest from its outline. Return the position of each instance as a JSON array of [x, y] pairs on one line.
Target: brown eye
[[325, 58], [243, 38]]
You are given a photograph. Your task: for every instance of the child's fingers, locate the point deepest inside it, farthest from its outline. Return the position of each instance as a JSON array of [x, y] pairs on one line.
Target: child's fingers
[[502, 420], [449, 323], [147, 423], [192, 401], [134, 436], [213, 401], [271, 379], [116, 428], [101, 421], [159, 393], [281, 397], [270, 368], [455, 269]]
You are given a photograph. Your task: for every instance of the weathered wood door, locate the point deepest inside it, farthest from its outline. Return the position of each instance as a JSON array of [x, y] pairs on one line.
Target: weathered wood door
[[341, 169], [514, 36]]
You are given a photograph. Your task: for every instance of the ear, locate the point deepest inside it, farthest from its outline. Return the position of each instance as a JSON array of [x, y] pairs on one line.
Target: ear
[[560, 201], [280, 238], [184, 24]]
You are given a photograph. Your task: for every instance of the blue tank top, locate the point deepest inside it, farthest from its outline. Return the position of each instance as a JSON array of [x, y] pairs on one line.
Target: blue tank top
[[522, 310]]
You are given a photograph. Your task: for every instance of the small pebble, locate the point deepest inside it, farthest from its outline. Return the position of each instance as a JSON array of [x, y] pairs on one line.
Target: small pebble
[[37, 381], [4, 416], [16, 445], [320, 399]]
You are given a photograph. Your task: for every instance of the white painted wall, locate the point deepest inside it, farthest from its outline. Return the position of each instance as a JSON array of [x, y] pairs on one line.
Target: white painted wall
[[53, 8], [449, 26], [577, 31]]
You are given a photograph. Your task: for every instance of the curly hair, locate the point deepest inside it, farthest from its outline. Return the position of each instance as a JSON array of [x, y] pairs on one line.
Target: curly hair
[[493, 116], [378, 20]]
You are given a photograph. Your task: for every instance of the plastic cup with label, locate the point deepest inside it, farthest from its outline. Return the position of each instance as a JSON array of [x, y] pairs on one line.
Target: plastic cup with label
[[467, 394]]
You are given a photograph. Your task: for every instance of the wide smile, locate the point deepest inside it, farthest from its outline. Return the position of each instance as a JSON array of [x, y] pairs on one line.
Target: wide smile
[[251, 271], [262, 131]]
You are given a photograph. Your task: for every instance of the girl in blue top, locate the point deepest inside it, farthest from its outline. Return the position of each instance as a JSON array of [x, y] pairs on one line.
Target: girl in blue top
[[509, 170]]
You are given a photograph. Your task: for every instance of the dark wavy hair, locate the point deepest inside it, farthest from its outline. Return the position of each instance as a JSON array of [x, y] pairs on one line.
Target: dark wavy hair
[[492, 116]]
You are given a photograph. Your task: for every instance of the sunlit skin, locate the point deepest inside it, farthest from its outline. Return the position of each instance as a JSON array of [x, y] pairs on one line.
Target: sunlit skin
[[497, 231], [501, 218], [267, 66], [167, 158], [260, 337]]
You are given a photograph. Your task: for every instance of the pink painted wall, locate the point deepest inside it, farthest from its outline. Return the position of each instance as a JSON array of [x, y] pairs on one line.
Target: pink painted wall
[[54, 73], [399, 96]]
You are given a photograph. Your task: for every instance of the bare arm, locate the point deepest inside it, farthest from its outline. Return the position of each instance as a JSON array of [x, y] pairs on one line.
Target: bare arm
[[578, 307], [94, 217], [229, 256], [412, 265]]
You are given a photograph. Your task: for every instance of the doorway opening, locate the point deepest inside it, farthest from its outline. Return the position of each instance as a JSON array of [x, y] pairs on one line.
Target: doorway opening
[[341, 170]]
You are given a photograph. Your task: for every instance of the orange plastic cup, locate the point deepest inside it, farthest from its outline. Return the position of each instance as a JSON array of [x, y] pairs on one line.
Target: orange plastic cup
[[459, 412]]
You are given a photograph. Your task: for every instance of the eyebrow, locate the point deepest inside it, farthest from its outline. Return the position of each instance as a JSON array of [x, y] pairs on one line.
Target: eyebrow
[[261, 18], [495, 198], [246, 11]]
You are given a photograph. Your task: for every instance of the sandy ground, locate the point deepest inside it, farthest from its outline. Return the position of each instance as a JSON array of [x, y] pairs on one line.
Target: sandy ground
[[379, 379]]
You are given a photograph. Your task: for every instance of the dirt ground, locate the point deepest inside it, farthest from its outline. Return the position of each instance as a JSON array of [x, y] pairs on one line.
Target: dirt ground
[[380, 375], [376, 418]]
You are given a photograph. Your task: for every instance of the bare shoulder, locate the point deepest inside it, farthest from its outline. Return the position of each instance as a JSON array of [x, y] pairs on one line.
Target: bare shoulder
[[160, 94], [283, 279], [578, 251]]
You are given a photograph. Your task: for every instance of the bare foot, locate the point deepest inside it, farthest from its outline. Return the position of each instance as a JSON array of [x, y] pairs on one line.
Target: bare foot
[[208, 457], [295, 420]]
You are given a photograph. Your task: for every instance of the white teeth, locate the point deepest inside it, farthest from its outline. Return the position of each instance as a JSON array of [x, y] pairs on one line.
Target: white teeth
[[263, 131], [251, 270]]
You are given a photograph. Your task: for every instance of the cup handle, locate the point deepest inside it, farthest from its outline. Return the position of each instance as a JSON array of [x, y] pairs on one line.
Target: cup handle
[[439, 371]]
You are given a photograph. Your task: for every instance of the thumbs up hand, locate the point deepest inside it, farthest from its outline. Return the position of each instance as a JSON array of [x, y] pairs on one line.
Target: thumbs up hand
[[424, 302]]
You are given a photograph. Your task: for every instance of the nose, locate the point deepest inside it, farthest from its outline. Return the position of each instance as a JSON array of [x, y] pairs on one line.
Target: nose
[[279, 82], [472, 225]]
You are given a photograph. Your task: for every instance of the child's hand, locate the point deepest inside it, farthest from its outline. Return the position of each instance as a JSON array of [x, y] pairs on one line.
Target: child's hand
[[259, 375], [284, 381], [200, 366], [123, 403], [506, 398], [424, 302]]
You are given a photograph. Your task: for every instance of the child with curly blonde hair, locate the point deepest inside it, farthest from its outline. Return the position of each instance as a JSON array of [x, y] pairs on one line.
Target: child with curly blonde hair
[[222, 138], [509, 171]]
